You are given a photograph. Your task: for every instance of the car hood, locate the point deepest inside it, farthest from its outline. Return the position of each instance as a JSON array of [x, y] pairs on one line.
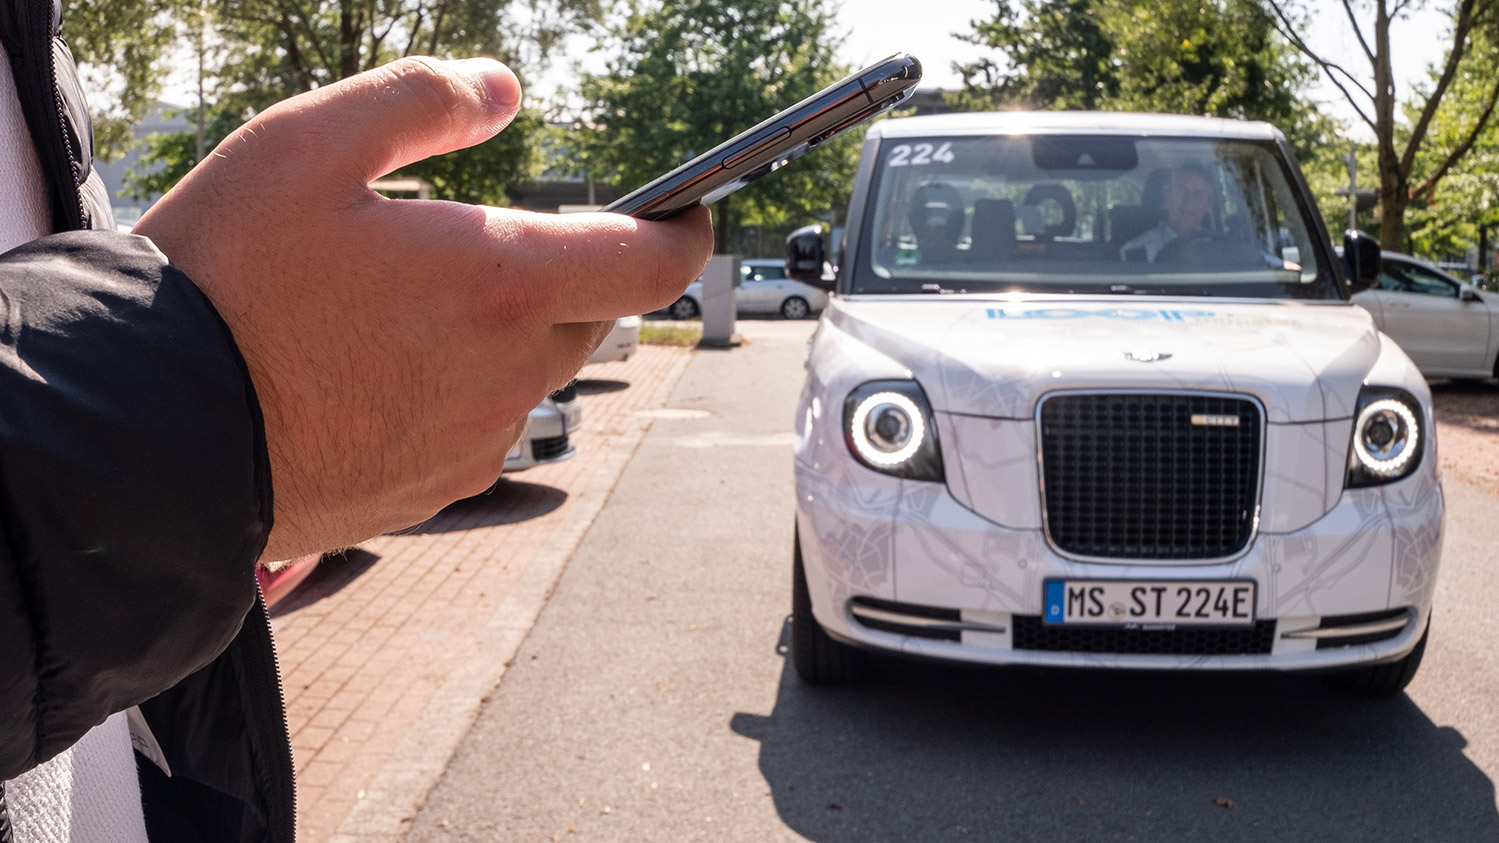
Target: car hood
[[995, 356]]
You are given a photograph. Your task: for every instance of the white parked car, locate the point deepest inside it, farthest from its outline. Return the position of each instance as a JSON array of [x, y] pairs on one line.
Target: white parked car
[[764, 290], [548, 429], [623, 341], [1091, 393], [1449, 328]]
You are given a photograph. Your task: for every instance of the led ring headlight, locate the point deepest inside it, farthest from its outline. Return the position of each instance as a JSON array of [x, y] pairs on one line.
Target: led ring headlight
[[887, 428], [1386, 437]]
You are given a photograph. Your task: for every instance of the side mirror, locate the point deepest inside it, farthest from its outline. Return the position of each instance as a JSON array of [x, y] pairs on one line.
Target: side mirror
[[1360, 260], [1467, 294], [805, 257]]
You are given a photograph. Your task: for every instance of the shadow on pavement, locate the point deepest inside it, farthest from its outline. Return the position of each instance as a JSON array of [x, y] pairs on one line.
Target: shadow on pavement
[[1474, 405], [508, 502], [333, 572], [600, 386], [936, 752]]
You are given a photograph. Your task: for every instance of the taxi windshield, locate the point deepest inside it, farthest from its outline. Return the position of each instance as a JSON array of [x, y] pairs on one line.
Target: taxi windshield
[[1088, 214]]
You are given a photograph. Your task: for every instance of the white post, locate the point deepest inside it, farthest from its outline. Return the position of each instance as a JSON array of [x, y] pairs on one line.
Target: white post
[[720, 281]]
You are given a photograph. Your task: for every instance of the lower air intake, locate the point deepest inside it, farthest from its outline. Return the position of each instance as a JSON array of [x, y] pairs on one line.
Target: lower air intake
[[1032, 634]]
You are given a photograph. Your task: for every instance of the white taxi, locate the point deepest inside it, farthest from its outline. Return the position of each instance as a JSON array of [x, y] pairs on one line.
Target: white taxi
[[1091, 393]]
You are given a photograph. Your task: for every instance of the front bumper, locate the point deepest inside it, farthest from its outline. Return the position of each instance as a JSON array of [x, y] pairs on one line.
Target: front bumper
[[871, 541], [622, 342], [547, 436]]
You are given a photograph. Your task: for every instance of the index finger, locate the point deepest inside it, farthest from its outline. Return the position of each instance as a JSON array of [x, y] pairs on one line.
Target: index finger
[[598, 267]]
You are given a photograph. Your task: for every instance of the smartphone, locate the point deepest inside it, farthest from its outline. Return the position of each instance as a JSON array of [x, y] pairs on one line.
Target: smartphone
[[776, 142]]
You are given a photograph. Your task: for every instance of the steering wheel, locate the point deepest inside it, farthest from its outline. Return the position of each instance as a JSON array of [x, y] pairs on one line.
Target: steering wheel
[[1197, 247]]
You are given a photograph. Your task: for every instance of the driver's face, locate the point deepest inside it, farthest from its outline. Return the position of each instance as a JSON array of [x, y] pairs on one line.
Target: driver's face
[[1188, 200]]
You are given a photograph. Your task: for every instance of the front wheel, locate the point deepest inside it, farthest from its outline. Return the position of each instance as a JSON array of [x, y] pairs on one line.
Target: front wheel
[[818, 659], [1385, 680], [795, 308], [682, 308]]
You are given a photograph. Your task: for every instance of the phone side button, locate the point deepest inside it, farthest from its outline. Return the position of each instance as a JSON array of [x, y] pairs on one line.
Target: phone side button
[[737, 156]]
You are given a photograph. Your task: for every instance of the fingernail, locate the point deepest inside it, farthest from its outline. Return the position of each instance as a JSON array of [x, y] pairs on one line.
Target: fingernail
[[500, 84]]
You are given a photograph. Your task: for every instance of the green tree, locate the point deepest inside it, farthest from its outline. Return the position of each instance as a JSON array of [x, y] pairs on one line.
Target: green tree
[[1422, 138], [267, 50], [1444, 221], [1222, 58], [120, 46], [689, 74], [1052, 54]]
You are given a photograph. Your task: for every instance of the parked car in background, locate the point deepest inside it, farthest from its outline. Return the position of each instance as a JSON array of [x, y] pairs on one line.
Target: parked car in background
[[1459, 270], [764, 290], [1448, 327], [623, 341], [1092, 394], [547, 430]]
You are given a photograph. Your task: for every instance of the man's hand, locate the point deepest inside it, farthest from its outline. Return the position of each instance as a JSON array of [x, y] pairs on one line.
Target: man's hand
[[397, 345]]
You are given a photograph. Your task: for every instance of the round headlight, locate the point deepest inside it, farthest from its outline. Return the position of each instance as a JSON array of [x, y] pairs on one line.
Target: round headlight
[[887, 428], [1386, 437]]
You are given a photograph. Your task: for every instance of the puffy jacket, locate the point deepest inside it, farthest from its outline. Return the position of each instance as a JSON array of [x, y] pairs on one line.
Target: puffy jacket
[[135, 498]]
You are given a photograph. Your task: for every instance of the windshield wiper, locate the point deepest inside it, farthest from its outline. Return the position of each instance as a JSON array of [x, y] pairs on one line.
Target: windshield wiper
[[1127, 290]]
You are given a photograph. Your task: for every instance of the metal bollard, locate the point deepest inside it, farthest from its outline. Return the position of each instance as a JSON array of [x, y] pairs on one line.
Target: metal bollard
[[720, 286]]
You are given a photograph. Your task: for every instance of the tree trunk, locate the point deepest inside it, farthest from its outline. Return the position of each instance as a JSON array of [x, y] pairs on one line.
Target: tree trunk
[[1392, 219], [1394, 192], [348, 39]]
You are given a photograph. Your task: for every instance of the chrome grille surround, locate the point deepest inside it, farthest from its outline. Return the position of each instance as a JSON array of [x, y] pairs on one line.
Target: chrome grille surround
[[1120, 469]]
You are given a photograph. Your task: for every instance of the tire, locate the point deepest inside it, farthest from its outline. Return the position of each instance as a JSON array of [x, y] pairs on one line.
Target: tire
[[796, 307], [682, 308], [818, 659], [1384, 680]]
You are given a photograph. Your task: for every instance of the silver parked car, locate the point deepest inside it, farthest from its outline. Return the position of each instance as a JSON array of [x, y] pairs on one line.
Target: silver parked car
[[1447, 327], [623, 341], [547, 431], [764, 290]]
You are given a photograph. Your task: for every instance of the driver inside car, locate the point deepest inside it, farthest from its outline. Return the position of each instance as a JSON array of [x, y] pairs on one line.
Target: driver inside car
[[1186, 203]]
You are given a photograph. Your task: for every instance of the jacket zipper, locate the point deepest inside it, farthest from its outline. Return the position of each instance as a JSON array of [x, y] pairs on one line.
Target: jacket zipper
[[44, 23], [287, 768]]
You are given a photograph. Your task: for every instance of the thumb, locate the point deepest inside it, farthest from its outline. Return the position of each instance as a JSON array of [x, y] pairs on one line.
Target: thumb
[[403, 112]]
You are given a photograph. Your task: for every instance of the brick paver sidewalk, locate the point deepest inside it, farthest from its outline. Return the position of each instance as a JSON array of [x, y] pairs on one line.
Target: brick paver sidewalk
[[387, 653]]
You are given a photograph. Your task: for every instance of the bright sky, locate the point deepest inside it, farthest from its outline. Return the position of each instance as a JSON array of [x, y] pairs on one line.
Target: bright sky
[[877, 28]]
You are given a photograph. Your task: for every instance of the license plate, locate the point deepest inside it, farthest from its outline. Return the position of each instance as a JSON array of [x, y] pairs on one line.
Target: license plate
[[1156, 603]]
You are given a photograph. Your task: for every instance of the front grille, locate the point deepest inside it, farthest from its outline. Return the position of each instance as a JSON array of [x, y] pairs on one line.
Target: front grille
[[550, 448], [1130, 476], [1032, 634]]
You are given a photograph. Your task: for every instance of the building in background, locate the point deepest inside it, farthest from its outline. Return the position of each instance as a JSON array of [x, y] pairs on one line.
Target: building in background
[[164, 118]]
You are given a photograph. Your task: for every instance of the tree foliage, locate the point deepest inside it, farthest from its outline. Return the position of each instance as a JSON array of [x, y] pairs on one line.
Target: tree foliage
[[267, 50], [1419, 139], [1050, 54], [686, 75], [1221, 58], [120, 47], [1446, 217]]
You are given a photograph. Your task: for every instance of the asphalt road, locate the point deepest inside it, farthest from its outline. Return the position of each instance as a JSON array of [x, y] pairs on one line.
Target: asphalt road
[[652, 700]]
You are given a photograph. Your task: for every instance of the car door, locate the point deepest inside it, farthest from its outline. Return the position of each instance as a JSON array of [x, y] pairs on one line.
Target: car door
[[777, 286], [757, 294], [1423, 311]]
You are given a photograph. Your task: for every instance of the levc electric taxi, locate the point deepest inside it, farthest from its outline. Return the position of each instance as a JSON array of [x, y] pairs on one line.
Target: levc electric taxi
[[1092, 393]]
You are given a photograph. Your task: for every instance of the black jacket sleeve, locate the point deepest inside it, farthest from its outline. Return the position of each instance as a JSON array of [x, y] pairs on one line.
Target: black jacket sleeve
[[135, 491]]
